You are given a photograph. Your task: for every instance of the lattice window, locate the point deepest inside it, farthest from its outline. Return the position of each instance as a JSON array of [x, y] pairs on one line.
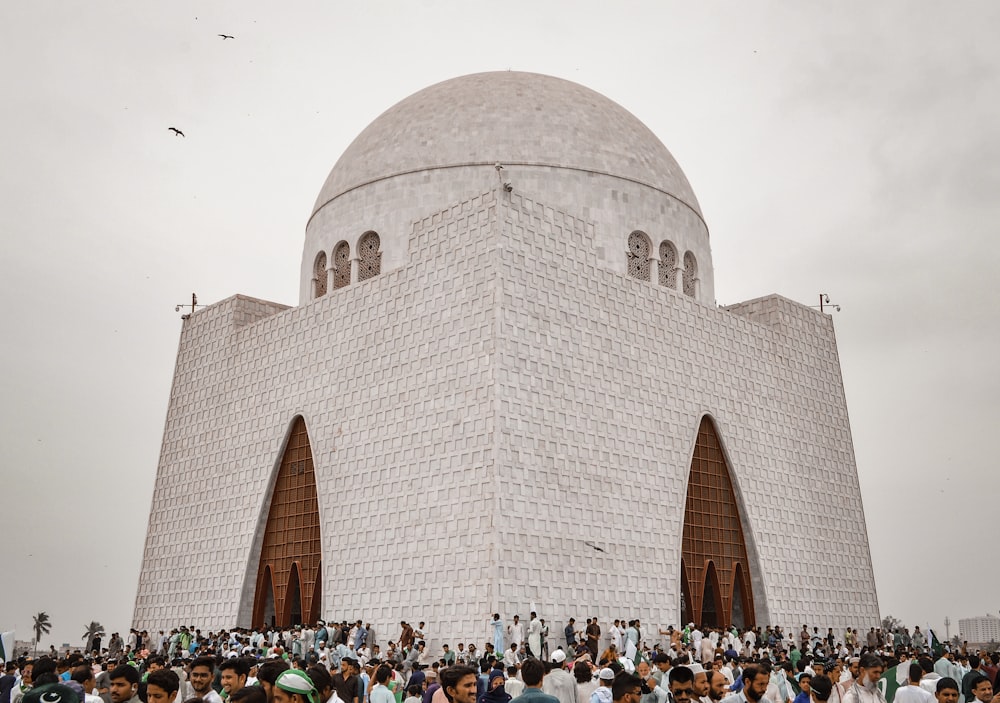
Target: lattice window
[[371, 258], [690, 275], [638, 256], [713, 545], [668, 265], [342, 265], [292, 536], [319, 275]]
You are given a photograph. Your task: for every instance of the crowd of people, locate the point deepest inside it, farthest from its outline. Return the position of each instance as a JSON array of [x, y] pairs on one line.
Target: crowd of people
[[521, 663]]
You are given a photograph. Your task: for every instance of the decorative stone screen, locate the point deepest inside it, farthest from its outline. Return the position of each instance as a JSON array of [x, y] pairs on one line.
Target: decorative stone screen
[[668, 265], [690, 274], [714, 565], [638, 256], [371, 257], [288, 578], [319, 274], [342, 265]]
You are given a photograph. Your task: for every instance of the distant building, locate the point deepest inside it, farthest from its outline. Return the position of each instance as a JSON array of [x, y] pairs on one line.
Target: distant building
[[980, 630], [507, 382]]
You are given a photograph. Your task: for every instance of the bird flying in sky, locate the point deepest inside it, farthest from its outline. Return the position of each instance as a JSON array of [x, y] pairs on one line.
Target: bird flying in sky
[[226, 36], [176, 131]]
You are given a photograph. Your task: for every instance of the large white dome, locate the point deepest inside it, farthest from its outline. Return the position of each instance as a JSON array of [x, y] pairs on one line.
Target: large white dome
[[514, 118], [562, 145]]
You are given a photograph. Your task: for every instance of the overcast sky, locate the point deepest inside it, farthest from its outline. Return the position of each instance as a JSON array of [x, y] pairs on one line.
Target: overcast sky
[[850, 148]]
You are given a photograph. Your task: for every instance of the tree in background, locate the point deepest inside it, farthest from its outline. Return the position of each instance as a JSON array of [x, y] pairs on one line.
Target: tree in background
[[891, 624], [41, 626], [92, 631]]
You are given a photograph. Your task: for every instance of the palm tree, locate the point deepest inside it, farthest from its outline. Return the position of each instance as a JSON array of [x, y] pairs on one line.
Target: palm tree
[[41, 626], [92, 631]]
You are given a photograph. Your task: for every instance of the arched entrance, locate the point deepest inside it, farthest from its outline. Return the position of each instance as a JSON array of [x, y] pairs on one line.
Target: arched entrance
[[714, 554], [288, 576]]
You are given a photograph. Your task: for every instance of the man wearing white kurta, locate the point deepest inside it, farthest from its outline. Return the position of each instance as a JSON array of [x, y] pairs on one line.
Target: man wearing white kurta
[[515, 631], [535, 636]]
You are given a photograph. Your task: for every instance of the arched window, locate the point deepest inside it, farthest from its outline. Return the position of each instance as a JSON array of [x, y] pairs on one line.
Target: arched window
[[371, 257], [638, 256], [342, 265], [668, 264], [690, 275], [319, 275]]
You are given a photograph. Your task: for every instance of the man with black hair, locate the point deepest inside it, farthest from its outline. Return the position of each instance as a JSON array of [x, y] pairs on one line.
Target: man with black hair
[[718, 686], [532, 673], [124, 684], [974, 671], [946, 690], [756, 679], [345, 682], [459, 684], [569, 632], [233, 673], [820, 688], [681, 680], [162, 686], [981, 689], [268, 673], [200, 680], [7, 681], [913, 692], [249, 694], [84, 676], [626, 688]]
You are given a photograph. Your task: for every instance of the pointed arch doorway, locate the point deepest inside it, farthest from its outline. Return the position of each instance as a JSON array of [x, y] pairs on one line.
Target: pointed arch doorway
[[288, 575], [715, 576]]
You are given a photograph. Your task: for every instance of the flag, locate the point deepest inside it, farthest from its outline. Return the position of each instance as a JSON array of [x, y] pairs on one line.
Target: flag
[[7, 646], [889, 683], [934, 643]]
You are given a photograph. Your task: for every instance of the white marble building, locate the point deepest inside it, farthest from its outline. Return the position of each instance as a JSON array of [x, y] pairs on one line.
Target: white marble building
[[495, 379]]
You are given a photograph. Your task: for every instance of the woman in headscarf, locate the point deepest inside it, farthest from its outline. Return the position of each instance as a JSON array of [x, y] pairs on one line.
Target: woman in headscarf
[[294, 686], [495, 692]]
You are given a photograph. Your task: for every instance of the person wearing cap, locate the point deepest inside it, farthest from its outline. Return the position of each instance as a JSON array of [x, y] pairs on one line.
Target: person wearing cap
[[558, 682], [294, 686], [865, 689], [602, 694], [51, 693]]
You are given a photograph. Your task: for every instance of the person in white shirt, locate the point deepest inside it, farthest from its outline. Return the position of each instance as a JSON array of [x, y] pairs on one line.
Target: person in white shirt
[[515, 632], [559, 682], [865, 689], [912, 691], [513, 685]]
